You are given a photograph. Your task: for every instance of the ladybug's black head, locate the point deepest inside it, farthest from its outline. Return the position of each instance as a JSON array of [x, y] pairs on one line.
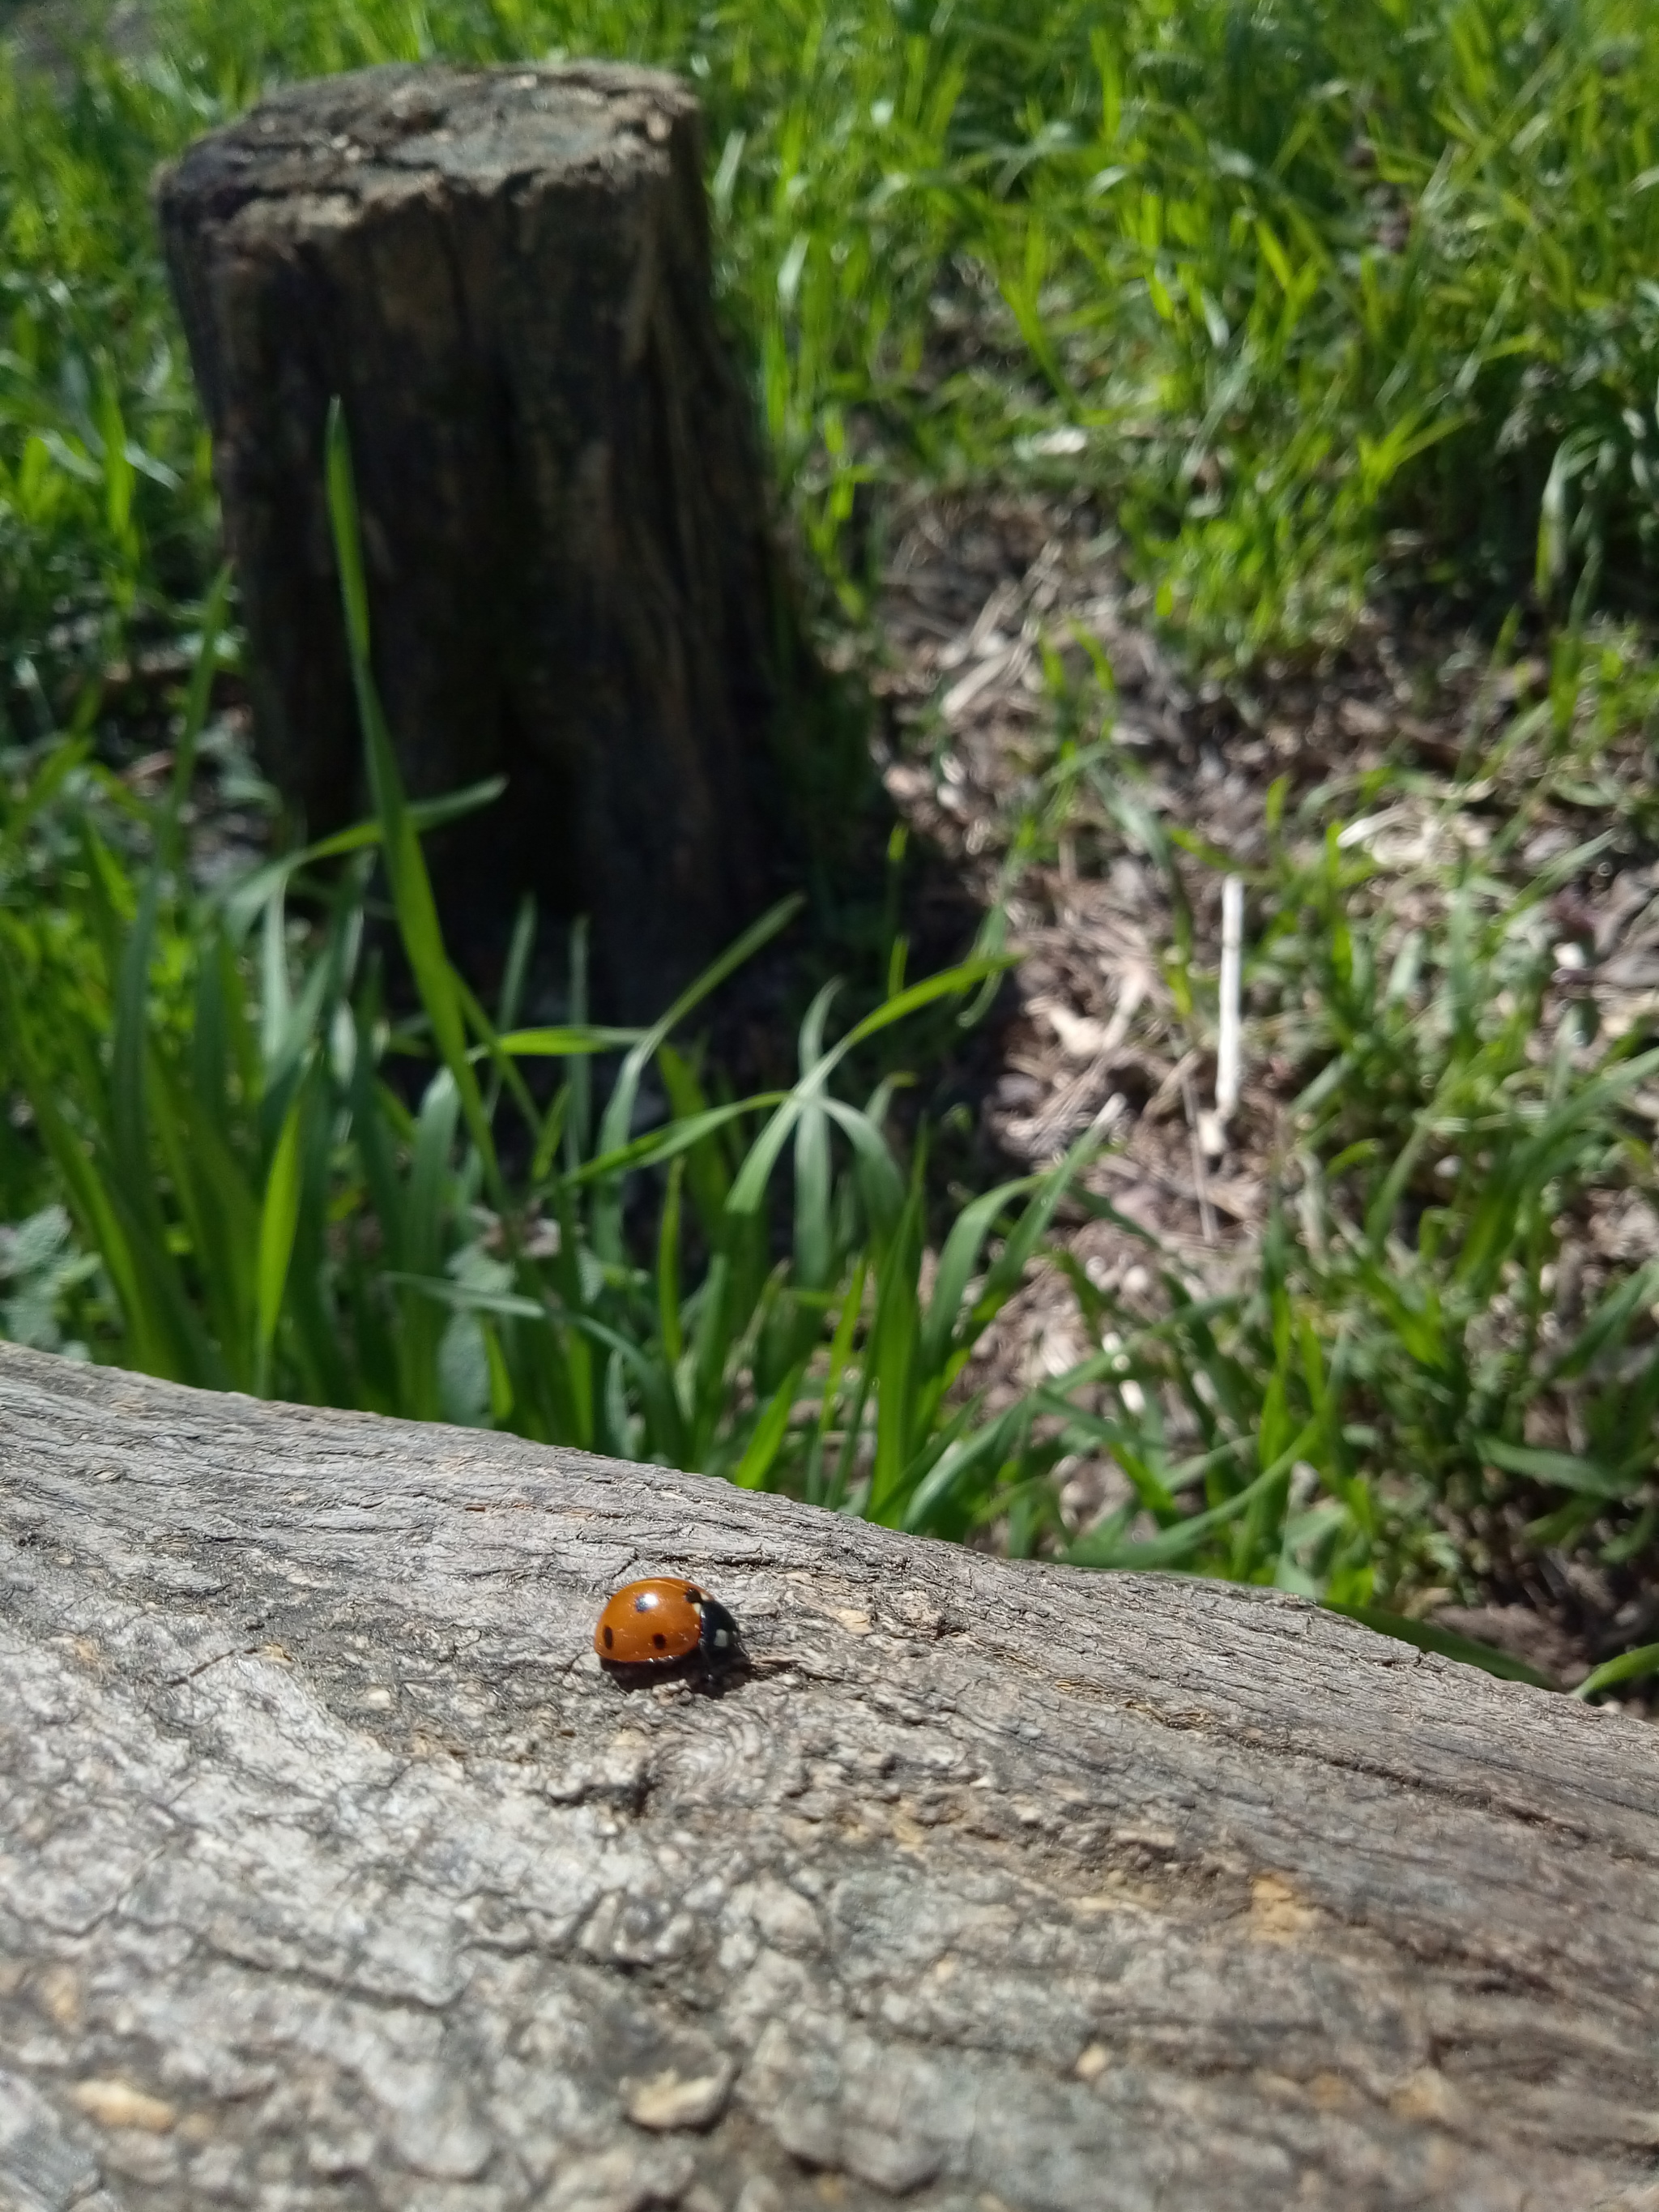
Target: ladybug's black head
[[719, 1642]]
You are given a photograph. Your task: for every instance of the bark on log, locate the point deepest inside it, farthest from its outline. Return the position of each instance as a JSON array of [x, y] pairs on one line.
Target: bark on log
[[505, 274], [334, 1874]]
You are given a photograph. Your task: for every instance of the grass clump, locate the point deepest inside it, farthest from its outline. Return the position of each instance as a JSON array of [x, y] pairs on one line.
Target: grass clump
[[1404, 1348], [259, 1208], [1418, 1389]]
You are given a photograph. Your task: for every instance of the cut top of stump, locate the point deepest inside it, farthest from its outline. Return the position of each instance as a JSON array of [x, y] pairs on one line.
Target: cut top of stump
[[310, 156]]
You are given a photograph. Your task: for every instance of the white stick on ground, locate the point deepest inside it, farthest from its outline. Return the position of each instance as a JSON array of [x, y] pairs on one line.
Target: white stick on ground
[[1232, 941]]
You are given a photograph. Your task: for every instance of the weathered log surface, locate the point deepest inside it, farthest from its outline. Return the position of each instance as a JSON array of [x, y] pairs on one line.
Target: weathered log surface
[[333, 1873], [505, 274]]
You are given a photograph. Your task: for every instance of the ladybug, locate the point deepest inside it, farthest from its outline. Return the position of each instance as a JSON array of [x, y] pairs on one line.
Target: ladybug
[[663, 1624]]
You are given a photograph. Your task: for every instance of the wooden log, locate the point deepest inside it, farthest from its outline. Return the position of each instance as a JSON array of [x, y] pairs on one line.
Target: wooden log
[[334, 1872], [505, 275]]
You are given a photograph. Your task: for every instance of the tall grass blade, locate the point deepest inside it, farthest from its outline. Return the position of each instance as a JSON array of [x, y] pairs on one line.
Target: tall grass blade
[[405, 864], [279, 1217]]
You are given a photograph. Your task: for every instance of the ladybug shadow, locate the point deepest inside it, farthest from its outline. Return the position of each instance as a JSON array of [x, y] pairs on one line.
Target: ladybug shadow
[[695, 1672]]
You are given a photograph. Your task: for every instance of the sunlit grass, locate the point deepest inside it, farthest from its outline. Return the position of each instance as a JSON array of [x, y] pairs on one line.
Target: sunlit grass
[[267, 1214], [1327, 293]]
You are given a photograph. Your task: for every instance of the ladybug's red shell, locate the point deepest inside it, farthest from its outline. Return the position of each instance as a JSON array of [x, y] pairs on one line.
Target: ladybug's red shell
[[661, 1622]]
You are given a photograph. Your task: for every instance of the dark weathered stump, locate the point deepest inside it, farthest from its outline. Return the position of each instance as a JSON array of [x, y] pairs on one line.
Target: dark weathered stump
[[333, 1873], [506, 276]]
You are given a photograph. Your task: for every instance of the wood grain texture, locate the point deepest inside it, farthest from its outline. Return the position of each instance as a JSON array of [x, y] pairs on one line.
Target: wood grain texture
[[333, 1873], [505, 275]]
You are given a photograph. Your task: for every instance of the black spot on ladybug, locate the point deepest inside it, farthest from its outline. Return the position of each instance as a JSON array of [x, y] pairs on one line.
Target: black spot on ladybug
[[610, 1637], [660, 1641]]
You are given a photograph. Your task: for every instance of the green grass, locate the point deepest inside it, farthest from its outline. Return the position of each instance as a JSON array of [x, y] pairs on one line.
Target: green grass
[[1329, 305], [1408, 1393], [1398, 1398], [1322, 294]]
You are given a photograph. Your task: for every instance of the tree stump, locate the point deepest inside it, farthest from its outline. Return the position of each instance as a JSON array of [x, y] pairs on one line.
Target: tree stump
[[334, 1872], [505, 275]]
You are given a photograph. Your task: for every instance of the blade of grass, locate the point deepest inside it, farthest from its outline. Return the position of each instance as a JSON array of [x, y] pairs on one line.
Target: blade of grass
[[1637, 1666], [405, 864], [279, 1216], [762, 1450]]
